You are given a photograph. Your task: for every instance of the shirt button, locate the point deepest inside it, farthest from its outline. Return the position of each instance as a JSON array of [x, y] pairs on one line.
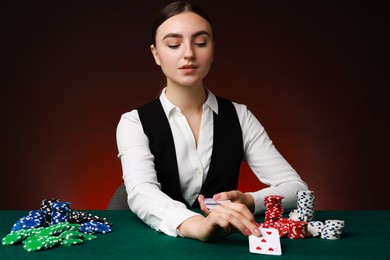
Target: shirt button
[[199, 172]]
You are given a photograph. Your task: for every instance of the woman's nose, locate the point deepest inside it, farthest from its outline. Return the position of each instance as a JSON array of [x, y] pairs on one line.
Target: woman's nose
[[189, 53]]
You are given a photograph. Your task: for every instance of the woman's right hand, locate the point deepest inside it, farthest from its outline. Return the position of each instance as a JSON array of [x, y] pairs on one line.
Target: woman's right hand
[[222, 221]]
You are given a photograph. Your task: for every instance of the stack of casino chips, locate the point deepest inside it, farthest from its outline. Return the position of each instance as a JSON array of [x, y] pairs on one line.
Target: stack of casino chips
[[332, 229], [295, 229], [274, 215], [306, 209], [34, 219], [274, 210], [55, 224], [46, 206], [60, 212], [314, 228], [298, 230], [299, 224], [74, 216], [282, 225], [94, 227], [42, 238], [82, 217]]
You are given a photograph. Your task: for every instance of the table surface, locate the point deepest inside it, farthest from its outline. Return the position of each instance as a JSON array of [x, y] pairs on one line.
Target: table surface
[[366, 235]]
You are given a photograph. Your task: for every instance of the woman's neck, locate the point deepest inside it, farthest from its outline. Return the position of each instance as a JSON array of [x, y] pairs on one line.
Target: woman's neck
[[187, 98]]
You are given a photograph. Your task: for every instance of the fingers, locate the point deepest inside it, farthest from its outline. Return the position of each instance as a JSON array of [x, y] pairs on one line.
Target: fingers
[[217, 221], [227, 195], [203, 205], [229, 216], [235, 215], [236, 196], [223, 220], [240, 210]]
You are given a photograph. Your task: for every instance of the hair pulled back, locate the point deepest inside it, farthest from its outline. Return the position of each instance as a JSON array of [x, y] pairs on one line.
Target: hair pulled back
[[173, 9]]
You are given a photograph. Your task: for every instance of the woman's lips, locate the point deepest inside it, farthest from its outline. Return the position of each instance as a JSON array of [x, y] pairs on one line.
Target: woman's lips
[[188, 67]]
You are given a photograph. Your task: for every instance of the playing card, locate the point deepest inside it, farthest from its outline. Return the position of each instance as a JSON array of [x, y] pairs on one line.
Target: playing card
[[211, 203], [268, 243]]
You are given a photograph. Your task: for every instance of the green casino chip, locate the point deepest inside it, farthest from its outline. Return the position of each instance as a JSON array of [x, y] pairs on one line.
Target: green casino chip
[[59, 228], [73, 226], [36, 243], [27, 240], [41, 238], [89, 237], [13, 238], [52, 242], [33, 231], [72, 242], [69, 234], [54, 229]]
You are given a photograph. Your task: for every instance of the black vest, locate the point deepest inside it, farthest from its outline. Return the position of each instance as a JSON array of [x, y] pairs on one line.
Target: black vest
[[226, 156]]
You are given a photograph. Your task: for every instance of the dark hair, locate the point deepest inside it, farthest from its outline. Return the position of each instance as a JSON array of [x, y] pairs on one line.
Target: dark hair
[[173, 9]]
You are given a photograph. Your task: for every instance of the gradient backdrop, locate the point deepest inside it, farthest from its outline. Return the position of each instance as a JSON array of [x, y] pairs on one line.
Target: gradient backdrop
[[312, 73]]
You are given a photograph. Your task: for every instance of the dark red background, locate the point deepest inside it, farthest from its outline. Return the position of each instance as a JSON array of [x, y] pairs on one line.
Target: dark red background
[[314, 75]]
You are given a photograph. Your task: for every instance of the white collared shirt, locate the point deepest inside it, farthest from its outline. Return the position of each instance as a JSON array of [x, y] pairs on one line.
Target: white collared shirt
[[164, 214]]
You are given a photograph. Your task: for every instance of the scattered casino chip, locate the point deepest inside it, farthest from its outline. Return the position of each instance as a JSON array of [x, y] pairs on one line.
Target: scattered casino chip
[[14, 238], [53, 225], [89, 237], [71, 234], [72, 242], [94, 227], [34, 219], [37, 243]]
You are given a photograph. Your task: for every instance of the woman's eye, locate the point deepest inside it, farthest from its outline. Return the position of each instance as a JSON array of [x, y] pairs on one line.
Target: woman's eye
[[201, 44], [173, 46]]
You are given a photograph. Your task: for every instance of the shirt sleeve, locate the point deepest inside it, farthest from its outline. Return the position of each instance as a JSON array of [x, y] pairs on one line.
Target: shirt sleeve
[[267, 163], [145, 197]]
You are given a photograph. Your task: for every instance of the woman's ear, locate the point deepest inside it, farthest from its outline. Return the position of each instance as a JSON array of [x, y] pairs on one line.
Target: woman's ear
[[155, 54]]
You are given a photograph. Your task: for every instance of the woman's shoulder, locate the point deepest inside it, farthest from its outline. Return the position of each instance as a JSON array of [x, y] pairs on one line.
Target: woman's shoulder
[[240, 107], [134, 113], [219, 98], [129, 117], [244, 114]]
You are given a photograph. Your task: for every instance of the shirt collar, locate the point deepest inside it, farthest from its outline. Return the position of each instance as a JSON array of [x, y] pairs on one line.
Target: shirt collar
[[168, 107], [211, 101]]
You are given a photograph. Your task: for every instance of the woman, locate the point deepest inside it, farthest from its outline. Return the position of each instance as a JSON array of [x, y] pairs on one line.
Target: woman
[[188, 144]]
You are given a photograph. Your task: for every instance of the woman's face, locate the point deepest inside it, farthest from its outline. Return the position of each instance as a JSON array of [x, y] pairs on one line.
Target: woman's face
[[184, 49]]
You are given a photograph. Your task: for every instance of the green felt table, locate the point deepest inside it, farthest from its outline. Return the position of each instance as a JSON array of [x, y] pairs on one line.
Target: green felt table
[[365, 236]]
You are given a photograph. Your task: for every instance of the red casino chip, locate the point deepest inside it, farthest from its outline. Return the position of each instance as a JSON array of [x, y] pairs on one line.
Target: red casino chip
[[273, 200], [298, 230]]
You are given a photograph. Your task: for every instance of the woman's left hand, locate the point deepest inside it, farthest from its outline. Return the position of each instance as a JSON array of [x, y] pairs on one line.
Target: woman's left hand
[[233, 196]]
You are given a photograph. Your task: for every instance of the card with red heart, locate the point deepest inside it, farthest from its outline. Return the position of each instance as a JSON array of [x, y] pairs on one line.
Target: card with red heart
[[268, 243]]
